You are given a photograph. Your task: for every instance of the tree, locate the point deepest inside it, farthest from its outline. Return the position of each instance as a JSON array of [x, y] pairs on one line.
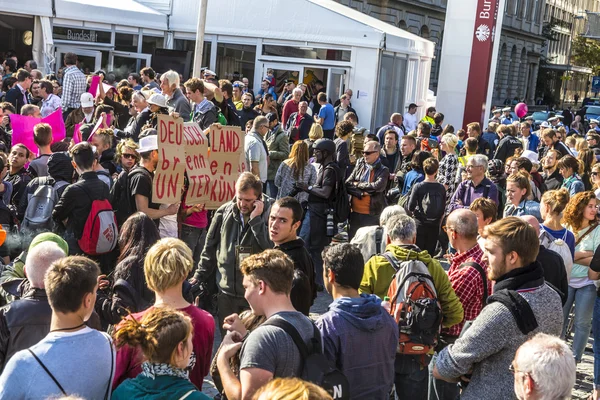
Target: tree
[[586, 53]]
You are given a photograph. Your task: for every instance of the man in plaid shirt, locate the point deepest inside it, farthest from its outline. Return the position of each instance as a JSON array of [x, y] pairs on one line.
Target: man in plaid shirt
[[74, 84], [466, 281]]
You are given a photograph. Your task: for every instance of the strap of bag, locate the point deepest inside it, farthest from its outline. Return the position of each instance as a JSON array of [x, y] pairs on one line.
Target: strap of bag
[[293, 333], [378, 238], [590, 230], [392, 260], [479, 269], [50, 373], [185, 396], [486, 191]]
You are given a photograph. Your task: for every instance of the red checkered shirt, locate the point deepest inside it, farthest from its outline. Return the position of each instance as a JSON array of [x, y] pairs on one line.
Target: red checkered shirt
[[467, 284]]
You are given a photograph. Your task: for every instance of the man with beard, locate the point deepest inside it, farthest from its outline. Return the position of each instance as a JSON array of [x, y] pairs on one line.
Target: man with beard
[[552, 141], [552, 178], [140, 180], [510, 248], [284, 221], [321, 196], [238, 230]]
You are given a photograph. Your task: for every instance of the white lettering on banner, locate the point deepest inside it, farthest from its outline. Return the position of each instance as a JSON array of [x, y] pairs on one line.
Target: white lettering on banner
[[337, 392], [487, 6]]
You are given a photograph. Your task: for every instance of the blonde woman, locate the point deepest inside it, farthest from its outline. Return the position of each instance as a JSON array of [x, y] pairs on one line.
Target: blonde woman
[[293, 170], [127, 156], [449, 164], [291, 389], [315, 133]]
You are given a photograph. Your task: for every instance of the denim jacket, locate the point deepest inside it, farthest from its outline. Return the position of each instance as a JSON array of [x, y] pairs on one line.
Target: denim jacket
[[526, 207]]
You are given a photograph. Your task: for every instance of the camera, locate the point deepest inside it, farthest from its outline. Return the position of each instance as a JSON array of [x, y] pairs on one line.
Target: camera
[[330, 223]]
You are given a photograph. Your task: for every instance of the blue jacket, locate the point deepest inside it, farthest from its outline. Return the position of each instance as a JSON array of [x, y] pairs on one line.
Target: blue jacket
[[574, 185], [526, 207], [410, 179], [534, 142], [360, 337]]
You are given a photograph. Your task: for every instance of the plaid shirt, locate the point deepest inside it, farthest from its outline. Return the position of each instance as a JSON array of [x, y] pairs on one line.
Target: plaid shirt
[[74, 84], [468, 286]]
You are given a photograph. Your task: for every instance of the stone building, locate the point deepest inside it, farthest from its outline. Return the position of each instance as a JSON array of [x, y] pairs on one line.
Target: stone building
[[520, 46]]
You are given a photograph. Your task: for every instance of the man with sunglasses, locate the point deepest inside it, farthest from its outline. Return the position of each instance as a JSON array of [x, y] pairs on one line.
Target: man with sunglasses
[[367, 185]]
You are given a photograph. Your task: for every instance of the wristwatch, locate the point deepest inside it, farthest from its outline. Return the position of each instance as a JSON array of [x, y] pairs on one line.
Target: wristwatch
[[310, 188]]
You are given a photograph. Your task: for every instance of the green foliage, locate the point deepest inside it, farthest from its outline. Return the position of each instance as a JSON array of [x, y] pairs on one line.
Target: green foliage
[[586, 53]]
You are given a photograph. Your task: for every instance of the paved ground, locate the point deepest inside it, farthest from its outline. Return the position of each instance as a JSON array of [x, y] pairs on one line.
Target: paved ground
[[585, 370]]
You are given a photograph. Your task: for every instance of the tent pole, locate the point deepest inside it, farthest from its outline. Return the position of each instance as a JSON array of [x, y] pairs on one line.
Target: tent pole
[[200, 39]]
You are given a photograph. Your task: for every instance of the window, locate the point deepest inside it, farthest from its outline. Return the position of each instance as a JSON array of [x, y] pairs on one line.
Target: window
[[149, 43], [392, 79], [189, 45], [126, 42], [306, 52], [236, 58]]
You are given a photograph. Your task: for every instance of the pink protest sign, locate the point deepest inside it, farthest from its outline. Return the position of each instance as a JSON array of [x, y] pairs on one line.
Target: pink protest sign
[[77, 134], [94, 85], [23, 128]]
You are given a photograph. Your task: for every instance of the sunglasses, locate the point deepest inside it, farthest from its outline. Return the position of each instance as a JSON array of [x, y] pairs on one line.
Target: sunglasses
[[130, 156], [368, 153], [594, 173]]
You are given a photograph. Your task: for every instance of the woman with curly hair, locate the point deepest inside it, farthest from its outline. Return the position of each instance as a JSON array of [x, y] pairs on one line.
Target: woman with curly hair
[[126, 155], [581, 218], [165, 338]]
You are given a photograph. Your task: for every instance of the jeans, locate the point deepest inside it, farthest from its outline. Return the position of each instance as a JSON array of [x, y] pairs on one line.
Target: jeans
[[194, 238], [272, 190], [584, 299], [596, 325], [411, 378], [440, 389]]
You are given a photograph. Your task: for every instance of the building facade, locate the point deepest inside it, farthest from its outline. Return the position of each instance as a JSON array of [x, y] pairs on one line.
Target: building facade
[[520, 47]]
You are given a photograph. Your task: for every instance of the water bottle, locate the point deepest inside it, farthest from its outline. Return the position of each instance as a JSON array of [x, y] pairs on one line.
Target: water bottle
[[330, 223], [386, 304]]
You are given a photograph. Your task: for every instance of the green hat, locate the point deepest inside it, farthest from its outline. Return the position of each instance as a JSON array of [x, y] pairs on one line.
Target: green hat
[[49, 237]]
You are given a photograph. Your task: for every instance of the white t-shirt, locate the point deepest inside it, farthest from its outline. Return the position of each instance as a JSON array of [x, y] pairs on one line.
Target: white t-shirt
[[255, 151], [410, 122]]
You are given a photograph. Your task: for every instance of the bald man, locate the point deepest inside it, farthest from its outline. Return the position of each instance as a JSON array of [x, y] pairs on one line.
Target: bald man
[[555, 273], [395, 124]]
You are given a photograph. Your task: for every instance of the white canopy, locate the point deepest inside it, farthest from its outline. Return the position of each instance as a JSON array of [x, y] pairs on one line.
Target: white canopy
[[119, 12]]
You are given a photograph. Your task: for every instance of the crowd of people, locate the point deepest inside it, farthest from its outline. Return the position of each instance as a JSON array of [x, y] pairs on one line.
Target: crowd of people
[[458, 261]]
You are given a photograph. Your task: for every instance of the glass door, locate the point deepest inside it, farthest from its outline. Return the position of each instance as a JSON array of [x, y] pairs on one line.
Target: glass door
[[87, 60], [124, 63], [337, 83]]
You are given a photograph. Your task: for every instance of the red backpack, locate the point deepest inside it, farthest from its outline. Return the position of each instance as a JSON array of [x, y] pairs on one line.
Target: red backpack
[[100, 233]]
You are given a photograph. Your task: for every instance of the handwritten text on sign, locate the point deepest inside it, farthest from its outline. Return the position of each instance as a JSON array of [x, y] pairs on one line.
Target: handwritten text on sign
[[212, 174], [168, 177]]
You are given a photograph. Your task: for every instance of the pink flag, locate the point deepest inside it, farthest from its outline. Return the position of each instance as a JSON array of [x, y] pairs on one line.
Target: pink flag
[[77, 134], [23, 128], [94, 85]]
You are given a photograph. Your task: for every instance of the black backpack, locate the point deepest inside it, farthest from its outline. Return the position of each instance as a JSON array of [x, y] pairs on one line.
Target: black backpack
[[341, 202], [316, 368], [434, 206], [121, 198]]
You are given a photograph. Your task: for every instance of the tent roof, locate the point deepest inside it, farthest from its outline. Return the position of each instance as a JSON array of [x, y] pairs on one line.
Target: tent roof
[[313, 21], [119, 12]]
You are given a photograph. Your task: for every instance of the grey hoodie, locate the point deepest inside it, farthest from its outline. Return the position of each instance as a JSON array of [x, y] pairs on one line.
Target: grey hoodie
[[361, 338]]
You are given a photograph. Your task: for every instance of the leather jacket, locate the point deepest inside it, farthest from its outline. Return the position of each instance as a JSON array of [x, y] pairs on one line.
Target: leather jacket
[[23, 323], [376, 188]]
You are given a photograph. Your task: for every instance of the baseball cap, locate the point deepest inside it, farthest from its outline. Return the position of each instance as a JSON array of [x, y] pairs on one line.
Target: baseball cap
[[87, 100]]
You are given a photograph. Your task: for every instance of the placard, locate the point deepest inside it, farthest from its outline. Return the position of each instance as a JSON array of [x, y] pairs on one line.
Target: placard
[[168, 177], [22, 128]]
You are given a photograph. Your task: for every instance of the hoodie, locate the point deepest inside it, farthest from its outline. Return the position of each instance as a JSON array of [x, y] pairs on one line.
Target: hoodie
[[162, 387], [361, 338]]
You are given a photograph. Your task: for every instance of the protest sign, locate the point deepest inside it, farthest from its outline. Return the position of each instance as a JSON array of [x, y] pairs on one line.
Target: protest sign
[[77, 134], [94, 85], [168, 177], [212, 174], [23, 128]]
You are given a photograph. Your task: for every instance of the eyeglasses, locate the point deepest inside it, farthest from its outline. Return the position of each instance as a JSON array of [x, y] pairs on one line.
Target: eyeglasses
[[447, 228], [129, 156], [512, 369]]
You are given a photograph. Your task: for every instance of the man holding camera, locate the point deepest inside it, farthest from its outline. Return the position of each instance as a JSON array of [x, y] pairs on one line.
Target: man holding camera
[[321, 197]]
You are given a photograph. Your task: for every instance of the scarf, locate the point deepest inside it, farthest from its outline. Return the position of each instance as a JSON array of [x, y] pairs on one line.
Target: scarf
[[505, 292], [567, 182], [368, 168], [152, 370]]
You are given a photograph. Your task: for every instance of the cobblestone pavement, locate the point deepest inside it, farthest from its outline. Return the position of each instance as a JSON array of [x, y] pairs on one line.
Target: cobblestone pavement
[[585, 370]]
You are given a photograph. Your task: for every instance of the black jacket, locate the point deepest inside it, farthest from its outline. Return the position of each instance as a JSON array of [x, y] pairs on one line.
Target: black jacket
[[23, 323], [247, 114], [337, 108], [554, 271], [107, 160], [180, 104], [134, 126], [15, 97], [303, 128], [376, 188], [75, 205], [304, 288], [553, 181], [206, 116], [506, 147]]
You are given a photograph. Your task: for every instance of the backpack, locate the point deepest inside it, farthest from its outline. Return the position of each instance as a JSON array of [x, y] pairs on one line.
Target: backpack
[[357, 144], [414, 306], [38, 215], [428, 144], [315, 366], [559, 246], [121, 199], [433, 206], [100, 233], [341, 203]]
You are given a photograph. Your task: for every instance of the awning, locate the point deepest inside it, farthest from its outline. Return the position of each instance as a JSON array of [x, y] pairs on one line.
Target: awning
[[27, 7], [119, 12]]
